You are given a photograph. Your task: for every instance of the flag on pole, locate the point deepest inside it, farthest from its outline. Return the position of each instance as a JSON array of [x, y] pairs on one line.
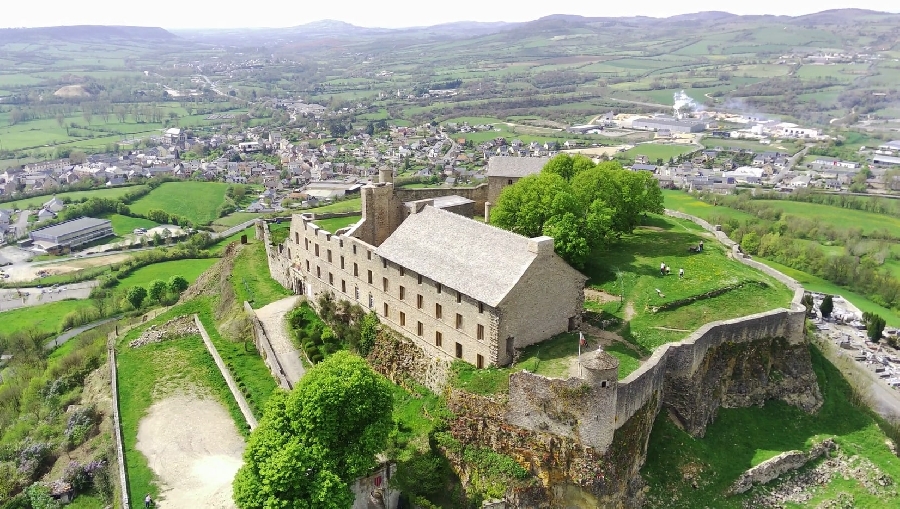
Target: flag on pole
[[581, 340]]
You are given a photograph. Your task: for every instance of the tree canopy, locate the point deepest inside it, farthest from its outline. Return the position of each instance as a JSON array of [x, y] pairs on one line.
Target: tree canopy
[[582, 205], [313, 442]]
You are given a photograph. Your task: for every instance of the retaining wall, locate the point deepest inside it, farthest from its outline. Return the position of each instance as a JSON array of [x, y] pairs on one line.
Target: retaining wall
[[265, 349], [117, 426]]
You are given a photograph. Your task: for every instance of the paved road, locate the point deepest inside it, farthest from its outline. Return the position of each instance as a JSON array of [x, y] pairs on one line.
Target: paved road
[[21, 226], [15, 298], [272, 318], [65, 336]]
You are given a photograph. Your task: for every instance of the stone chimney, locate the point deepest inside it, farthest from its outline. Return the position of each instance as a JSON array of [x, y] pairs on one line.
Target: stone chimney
[[487, 211], [541, 246], [386, 175]]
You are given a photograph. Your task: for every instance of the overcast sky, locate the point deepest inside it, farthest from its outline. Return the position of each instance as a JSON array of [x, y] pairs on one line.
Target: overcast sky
[[383, 13]]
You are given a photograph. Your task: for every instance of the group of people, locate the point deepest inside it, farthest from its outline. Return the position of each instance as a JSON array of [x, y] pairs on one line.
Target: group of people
[[664, 270]]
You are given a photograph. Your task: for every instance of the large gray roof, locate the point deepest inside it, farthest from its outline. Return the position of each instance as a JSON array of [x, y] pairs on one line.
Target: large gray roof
[[72, 225], [515, 166], [479, 260]]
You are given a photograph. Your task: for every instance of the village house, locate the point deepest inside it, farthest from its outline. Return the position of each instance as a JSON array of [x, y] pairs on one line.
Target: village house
[[506, 171]]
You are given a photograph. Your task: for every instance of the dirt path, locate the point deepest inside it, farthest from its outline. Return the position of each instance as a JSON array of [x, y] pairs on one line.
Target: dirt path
[[272, 318], [192, 445]]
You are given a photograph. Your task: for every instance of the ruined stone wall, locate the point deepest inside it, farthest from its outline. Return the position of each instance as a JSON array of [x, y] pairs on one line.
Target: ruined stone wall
[[400, 359], [278, 257], [478, 194]]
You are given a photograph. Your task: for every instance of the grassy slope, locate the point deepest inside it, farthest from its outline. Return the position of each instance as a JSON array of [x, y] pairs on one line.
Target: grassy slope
[[197, 201], [637, 258], [742, 437], [189, 268], [351, 205], [251, 279], [46, 318]]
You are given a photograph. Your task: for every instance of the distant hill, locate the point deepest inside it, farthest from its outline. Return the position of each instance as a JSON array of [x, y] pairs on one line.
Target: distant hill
[[86, 33]]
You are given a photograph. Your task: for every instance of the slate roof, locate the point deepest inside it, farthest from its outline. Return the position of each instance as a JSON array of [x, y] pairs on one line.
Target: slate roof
[[515, 166], [476, 259]]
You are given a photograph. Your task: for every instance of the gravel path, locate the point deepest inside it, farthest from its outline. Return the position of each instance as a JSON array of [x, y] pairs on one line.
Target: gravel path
[[192, 444], [272, 318]]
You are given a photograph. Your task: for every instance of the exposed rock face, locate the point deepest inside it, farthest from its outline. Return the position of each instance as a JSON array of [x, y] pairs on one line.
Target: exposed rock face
[[779, 465], [173, 329], [398, 359], [736, 375]]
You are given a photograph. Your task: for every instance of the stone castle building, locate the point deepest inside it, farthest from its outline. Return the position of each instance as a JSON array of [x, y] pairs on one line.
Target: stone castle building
[[457, 287]]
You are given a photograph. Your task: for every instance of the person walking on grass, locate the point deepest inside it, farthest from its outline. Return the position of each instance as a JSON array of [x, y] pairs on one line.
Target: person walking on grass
[[662, 269], [681, 273], [148, 501]]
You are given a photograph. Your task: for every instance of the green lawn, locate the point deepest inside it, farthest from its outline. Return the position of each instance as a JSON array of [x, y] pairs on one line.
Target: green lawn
[[125, 225], [838, 216], [351, 205], [219, 246], [689, 204], [197, 201], [189, 268], [336, 223], [553, 357], [743, 437], [633, 264], [37, 202], [251, 279], [46, 318]]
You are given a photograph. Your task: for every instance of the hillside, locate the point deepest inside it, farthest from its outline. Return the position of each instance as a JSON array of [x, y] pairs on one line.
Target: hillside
[[85, 33]]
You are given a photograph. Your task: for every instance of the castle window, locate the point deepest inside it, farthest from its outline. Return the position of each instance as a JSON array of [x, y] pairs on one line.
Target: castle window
[[369, 254], [343, 286], [354, 248], [458, 351], [317, 250], [458, 297], [296, 237], [458, 321], [307, 265], [438, 338], [438, 311], [319, 272], [402, 293], [370, 277], [402, 319], [306, 243], [356, 292], [342, 261], [420, 278], [331, 279], [509, 182], [371, 302], [402, 272], [480, 333], [479, 363], [481, 307], [384, 284], [355, 269], [603, 383], [384, 263], [420, 329], [386, 315], [419, 301], [439, 287], [329, 256]]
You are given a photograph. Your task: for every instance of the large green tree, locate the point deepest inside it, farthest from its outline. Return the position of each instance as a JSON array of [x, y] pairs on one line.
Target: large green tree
[[314, 441], [581, 205]]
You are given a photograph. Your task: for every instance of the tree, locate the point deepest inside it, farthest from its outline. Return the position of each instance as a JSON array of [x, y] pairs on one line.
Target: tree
[[158, 290], [827, 306], [368, 331], [136, 295], [875, 325], [301, 455], [178, 284]]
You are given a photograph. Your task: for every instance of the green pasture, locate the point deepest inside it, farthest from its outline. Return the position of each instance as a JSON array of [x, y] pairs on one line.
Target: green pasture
[[234, 219], [350, 205], [125, 225], [45, 319], [689, 204], [632, 267], [740, 438], [656, 151], [839, 217], [38, 201], [756, 147], [190, 269], [197, 201]]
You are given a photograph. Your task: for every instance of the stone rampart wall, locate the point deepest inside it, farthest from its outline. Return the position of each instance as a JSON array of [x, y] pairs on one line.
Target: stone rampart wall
[[278, 260], [478, 194], [264, 347]]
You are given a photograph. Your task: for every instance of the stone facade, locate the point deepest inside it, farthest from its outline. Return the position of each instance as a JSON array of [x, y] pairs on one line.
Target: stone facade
[[444, 319]]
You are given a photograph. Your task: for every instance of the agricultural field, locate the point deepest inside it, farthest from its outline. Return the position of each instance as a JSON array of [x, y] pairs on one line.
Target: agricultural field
[[656, 151], [350, 205], [37, 202], [125, 225], [843, 217], [197, 201], [190, 269], [43, 319]]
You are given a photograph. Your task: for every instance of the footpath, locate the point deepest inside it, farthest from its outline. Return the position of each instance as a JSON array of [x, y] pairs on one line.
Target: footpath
[[273, 320]]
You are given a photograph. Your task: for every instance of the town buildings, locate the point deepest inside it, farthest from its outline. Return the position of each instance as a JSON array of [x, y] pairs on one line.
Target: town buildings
[[71, 234]]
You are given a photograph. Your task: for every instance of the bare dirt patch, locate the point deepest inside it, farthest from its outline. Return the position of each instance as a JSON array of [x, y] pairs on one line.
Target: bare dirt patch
[[193, 446], [599, 296], [629, 311]]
